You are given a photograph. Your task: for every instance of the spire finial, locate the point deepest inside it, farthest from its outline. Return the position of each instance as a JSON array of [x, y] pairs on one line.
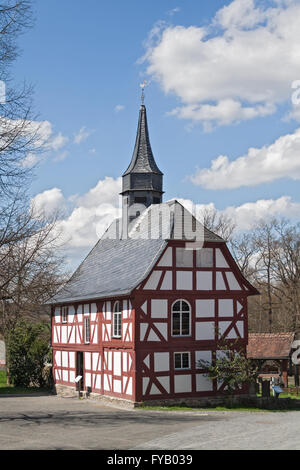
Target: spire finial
[[142, 85]]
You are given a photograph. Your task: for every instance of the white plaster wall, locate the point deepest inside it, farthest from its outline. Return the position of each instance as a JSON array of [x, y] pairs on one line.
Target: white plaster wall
[[225, 308], [161, 361], [153, 280], [220, 260], [184, 280], [167, 283], [204, 280], [117, 386], [220, 284], [159, 308], [163, 329], [165, 382], [166, 259], [203, 356], [117, 363], [233, 284], [182, 383], [72, 359], [205, 330], [205, 308], [87, 361], [203, 383], [65, 362]]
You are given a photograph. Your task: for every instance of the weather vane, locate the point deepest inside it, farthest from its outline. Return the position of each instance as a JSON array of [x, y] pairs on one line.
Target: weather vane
[[142, 85]]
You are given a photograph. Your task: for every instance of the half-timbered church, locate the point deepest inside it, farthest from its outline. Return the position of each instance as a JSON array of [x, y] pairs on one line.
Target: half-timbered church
[[149, 300]]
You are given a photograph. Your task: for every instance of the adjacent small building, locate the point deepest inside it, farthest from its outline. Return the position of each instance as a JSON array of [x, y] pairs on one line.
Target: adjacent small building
[[149, 300], [273, 353]]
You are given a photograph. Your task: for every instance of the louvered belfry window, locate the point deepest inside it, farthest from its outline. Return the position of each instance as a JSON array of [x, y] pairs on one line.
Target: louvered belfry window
[[117, 318]]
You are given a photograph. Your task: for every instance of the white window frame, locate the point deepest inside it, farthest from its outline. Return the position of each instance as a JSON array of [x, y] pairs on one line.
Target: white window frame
[[181, 353], [64, 314], [117, 320], [181, 311], [87, 330]]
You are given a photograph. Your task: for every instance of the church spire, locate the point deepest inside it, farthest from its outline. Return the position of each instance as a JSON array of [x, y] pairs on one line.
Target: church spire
[[142, 181], [142, 159]]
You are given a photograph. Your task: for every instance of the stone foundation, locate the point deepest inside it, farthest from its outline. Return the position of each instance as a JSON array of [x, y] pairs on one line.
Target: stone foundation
[[70, 392], [246, 401]]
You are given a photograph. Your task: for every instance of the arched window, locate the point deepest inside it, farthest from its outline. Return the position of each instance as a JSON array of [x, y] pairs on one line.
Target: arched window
[[117, 320], [181, 318]]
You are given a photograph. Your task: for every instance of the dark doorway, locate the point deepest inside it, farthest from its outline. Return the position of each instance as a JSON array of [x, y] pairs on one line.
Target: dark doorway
[[79, 369]]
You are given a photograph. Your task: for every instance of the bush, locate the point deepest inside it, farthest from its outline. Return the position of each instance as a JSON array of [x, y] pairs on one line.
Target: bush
[[28, 351]]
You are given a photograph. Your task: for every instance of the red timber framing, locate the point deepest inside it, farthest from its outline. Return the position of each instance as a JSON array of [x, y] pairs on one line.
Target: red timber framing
[[140, 365], [217, 296], [108, 362]]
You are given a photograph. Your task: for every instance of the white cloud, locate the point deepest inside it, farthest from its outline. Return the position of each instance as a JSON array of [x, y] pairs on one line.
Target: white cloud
[[61, 156], [57, 142], [259, 165], [82, 135], [248, 214], [43, 138], [30, 160], [48, 202], [119, 107], [239, 67], [173, 11], [90, 213], [105, 192]]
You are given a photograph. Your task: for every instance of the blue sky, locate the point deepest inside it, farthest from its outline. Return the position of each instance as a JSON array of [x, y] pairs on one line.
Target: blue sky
[[213, 91]]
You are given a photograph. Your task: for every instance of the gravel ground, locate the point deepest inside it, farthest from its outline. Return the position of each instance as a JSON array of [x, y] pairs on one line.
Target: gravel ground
[[51, 422]]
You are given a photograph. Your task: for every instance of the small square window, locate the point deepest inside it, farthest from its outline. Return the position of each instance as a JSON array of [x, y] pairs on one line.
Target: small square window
[[182, 360]]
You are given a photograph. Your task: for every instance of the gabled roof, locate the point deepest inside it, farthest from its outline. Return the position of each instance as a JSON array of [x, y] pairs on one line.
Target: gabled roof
[[142, 159], [171, 221], [116, 264], [270, 345]]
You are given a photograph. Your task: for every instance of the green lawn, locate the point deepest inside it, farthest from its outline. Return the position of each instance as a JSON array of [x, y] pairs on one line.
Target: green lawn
[[10, 389]]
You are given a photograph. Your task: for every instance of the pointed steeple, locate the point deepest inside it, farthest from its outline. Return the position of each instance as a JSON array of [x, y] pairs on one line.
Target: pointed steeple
[[142, 181], [142, 159]]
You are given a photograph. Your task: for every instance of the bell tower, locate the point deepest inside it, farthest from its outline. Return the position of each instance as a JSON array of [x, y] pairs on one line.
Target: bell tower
[[142, 181]]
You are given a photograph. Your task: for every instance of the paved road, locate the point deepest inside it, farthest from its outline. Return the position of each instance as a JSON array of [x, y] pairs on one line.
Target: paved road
[[51, 422]]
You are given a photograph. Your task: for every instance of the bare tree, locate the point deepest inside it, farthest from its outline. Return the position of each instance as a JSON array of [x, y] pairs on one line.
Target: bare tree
[[217, 222], [19, 134], [30, 266]]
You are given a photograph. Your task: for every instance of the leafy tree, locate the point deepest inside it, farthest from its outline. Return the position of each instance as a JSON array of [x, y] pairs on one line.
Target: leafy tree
[[28, 351], [230, 367]]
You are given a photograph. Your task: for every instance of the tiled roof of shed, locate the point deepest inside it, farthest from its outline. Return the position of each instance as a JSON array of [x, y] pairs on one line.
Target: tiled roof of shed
[[270, 345], [116, 265]]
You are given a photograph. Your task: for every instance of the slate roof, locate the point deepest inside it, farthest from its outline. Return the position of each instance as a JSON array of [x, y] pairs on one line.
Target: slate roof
[[142, 159], [270, 345], [116, 264]]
